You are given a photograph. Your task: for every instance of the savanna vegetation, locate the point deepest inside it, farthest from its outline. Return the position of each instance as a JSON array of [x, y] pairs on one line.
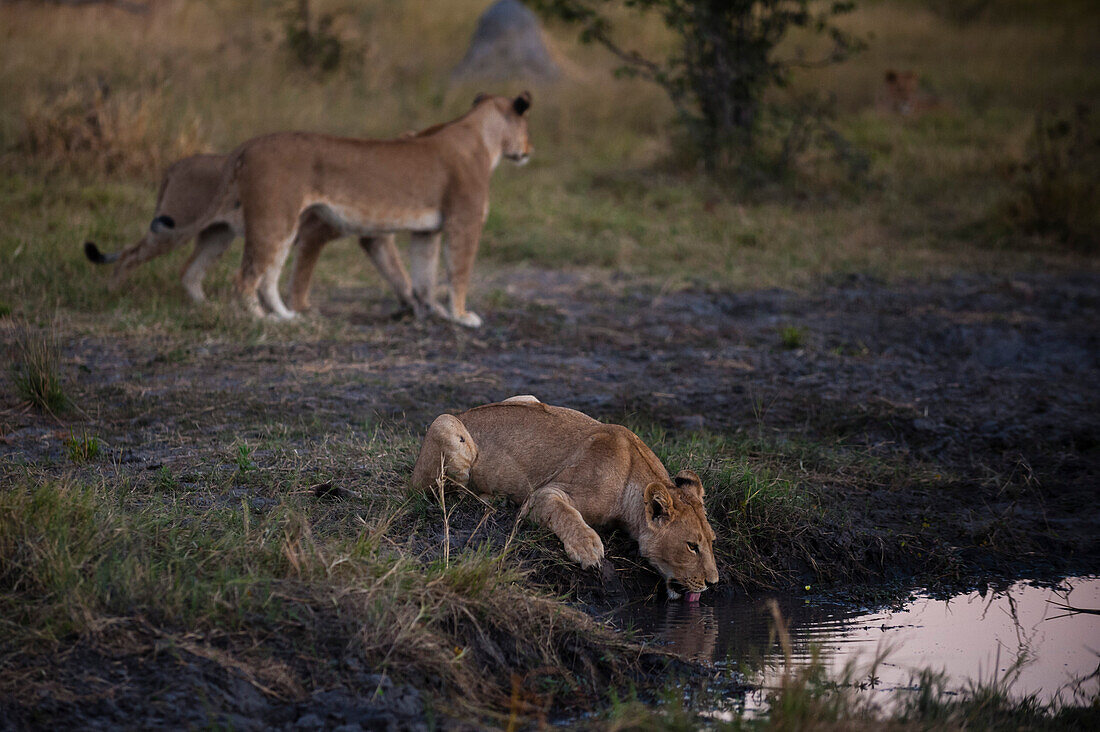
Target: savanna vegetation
[[193, 499]]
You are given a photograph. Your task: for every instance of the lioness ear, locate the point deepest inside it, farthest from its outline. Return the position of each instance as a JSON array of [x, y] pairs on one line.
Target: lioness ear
[[522, 103], [481, 97], [658, 504], [688, 481]]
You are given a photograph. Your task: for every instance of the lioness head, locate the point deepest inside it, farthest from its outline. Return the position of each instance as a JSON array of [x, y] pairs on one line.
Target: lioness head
[[677, 538], [515, 144]]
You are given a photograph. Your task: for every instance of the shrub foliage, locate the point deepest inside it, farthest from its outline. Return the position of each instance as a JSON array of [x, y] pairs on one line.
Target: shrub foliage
[[725, 59], [1056, 188]]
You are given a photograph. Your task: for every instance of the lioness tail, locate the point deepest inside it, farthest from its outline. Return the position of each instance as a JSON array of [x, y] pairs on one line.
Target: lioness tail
[[91, 251]]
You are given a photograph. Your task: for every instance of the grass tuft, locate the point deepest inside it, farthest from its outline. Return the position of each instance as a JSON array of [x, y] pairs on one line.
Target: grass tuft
[[792, 336], [758, 512], [83, 448], [243, 458], [36, 368]]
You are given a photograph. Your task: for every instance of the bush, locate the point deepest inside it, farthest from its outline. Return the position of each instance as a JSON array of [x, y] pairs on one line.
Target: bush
[[89, 128], [725, 61], [960, 12], [1055, 191], [313, 45]]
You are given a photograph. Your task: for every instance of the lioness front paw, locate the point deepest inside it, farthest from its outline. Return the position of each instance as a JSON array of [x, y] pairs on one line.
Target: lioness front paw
[[586, 549]]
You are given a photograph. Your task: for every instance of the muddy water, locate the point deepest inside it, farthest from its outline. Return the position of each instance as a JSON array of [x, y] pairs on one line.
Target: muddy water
[[1018, 633]]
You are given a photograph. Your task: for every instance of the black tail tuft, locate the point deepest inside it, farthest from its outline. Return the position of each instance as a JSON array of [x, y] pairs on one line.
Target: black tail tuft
[[91, 251], [162, 223]]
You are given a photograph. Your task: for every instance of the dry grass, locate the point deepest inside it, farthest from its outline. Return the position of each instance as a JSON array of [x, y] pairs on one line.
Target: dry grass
[[72, 556], [91, 130], [36, 367]]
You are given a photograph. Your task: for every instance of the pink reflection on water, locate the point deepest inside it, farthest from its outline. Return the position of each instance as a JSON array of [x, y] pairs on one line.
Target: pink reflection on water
[[1018, 634]]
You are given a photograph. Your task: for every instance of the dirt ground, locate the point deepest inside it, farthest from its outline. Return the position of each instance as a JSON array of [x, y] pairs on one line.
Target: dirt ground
[[993, 382], [992, 385]]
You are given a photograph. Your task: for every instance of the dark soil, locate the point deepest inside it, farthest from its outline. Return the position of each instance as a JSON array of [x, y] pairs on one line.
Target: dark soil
[[992, 383], [143, 684]]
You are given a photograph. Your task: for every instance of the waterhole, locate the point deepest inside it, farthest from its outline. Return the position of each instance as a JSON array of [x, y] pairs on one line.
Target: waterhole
[[1029, 636]]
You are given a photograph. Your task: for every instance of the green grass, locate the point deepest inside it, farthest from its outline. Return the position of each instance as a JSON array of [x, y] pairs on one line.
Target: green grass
[[243, 458], [777, 504], [753, 499], [72, 555], [82, 448], [792, 336]]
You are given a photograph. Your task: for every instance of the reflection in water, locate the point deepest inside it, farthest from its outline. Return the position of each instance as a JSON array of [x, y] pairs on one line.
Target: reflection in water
[[1021, 632]]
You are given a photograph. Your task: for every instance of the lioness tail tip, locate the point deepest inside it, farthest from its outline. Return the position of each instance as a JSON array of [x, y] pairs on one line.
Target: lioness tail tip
[[162, 223], [91, 251]]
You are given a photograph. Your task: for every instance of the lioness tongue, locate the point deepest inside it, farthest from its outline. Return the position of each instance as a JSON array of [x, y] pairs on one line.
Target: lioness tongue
[[692, 597]]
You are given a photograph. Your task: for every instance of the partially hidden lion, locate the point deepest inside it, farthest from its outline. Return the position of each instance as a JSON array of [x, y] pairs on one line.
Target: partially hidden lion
[[571, 472], [187, 190], [903, 94], [434, 185]]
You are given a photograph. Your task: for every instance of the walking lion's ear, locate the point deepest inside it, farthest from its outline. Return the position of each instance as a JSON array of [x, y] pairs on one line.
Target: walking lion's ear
[[481, 97], [522, 103]]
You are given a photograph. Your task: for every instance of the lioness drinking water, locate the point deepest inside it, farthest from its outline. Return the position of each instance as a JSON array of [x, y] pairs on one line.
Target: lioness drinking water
[[571, 472]]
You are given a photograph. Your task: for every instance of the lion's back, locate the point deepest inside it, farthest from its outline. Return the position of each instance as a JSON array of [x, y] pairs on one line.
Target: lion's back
[[521, 445], [189, 186]]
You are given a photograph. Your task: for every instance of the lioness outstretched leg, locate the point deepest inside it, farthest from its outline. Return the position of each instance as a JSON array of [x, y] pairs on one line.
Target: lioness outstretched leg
[[382, 249], [210, 244], [448, 449], [554, 509]]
